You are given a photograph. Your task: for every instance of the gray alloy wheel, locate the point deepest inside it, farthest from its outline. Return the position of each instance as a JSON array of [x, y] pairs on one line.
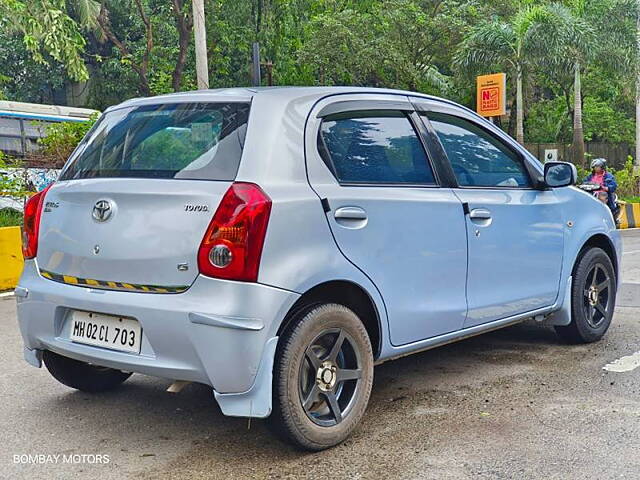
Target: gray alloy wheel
[[322, 377], [593, 298]]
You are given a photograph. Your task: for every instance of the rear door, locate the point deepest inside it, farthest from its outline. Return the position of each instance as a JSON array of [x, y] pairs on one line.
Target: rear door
[[132, 205], [389, 214], [516, 232]]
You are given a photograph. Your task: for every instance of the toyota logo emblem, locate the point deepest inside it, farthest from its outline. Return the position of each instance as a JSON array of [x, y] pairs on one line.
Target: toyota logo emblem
[[102, 211]]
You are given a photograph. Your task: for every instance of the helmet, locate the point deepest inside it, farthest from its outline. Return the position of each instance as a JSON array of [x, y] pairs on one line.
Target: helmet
[[599, 162]]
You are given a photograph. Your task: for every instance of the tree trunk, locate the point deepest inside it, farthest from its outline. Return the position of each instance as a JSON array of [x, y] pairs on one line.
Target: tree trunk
[[578, 132], [511, 128], [519, 108], [184, 25]]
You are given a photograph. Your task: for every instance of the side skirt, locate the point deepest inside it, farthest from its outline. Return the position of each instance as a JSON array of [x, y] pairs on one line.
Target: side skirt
[[428, 344]]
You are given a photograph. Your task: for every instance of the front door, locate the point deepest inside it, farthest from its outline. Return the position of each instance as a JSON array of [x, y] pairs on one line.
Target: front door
[[388, 214], [515, 232]]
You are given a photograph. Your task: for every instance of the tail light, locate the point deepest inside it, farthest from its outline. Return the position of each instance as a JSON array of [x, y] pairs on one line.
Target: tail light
[[31, 226], [232, 245]]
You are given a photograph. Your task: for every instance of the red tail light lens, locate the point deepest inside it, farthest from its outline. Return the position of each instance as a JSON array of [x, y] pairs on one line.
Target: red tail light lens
[[232, 245], [31, 226]]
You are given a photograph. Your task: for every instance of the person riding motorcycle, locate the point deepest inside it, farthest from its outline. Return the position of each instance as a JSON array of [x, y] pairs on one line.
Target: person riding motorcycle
[[600, 176]]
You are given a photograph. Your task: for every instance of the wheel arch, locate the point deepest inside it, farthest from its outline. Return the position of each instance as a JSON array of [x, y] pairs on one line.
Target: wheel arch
[[344, 292], [599, 240]]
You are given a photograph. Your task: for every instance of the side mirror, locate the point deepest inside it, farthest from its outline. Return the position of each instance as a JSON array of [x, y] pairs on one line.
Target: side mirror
[[560, 174]]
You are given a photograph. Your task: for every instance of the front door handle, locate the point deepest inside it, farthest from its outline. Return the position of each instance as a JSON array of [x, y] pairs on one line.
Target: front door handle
[[480, 214], [350, 213]]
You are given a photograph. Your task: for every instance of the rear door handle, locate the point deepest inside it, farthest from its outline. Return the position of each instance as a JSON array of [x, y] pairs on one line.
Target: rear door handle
[[480, 214], [350, 213]]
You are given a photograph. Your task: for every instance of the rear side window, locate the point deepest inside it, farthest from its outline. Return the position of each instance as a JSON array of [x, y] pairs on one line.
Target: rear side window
[[478, 158], [201, 141], [374, 147]]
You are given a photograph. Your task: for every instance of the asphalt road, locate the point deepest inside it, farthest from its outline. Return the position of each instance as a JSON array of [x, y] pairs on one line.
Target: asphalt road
[[515, 403]]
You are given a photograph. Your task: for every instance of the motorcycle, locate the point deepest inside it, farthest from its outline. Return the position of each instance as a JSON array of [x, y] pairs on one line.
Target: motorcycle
[[593, 188]]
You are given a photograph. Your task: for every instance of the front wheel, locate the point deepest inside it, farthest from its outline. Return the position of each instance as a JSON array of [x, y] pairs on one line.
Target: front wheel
[[593, 298], [322, 377]]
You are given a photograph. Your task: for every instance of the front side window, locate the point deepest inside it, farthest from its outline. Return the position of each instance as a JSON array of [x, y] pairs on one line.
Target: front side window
[[477, 157], [374, 147], [200, 141]]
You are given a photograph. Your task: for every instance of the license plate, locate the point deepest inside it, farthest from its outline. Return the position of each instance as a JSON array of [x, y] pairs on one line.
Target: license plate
[[108, 331]]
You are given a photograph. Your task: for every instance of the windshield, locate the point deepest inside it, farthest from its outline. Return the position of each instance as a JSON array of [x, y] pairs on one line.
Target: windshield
[[201, 141]]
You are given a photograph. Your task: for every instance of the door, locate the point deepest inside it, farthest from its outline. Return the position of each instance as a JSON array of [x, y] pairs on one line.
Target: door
[[515, 241], [388, 214]]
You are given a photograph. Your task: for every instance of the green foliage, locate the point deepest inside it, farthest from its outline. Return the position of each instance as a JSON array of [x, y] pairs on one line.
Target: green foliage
[[549, 121], [62, 138], [627, 180], [605, 124], [47, 30], [10, 218], [9, 185], [431, 46]]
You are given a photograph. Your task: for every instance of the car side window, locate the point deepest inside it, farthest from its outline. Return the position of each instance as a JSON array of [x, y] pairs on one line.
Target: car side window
[[478, 158], [377, 146]]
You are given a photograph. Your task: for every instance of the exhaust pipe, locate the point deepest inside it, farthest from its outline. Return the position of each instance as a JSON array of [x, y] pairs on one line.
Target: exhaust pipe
[[177, 386]]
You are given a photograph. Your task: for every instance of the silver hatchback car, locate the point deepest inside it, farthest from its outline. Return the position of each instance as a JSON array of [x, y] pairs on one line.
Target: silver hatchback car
[[277, 243]]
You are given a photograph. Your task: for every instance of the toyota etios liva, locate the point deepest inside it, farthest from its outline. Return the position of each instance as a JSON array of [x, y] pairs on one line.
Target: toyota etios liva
[[276, 243]]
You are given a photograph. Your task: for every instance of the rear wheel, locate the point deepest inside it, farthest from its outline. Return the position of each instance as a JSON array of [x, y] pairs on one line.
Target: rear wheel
[[82, 376], [593, 298], [322, 377]]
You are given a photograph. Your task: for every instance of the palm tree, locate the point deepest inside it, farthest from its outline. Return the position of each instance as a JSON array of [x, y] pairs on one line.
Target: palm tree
[[577, 49], [590, 31], [513, 46]]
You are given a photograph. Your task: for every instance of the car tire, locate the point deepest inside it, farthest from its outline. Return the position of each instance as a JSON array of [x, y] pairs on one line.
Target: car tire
[[322, 377], [593, 298], [82, 376]]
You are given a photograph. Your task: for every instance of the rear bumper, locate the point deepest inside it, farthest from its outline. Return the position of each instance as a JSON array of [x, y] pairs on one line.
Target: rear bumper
[[214, 333]]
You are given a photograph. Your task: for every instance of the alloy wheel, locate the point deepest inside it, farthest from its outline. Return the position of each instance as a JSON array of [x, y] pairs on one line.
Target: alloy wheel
[[596, 300], [330, 377]]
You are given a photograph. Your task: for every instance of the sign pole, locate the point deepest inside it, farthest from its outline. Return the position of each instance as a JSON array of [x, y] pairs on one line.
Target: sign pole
[[200, 35]]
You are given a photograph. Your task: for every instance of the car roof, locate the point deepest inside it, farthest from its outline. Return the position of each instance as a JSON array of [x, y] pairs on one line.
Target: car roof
[[282, 93]]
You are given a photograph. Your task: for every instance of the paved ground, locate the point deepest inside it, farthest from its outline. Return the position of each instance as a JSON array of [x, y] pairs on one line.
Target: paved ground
[[511, 404]]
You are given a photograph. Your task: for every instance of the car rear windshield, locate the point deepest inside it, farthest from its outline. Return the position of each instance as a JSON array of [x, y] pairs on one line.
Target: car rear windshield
[[200, 141]]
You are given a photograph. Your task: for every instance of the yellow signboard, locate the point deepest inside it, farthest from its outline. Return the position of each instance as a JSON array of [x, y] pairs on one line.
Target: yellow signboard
[[492, 95]]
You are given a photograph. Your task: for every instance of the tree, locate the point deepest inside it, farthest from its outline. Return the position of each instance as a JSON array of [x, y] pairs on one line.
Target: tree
[[139, 65], [591, 33], [47, 30], [184, 25], [576, 51], [393, 44], [515, 45]]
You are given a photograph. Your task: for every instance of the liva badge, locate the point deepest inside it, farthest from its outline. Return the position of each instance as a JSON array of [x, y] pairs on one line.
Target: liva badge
[[492, 95]]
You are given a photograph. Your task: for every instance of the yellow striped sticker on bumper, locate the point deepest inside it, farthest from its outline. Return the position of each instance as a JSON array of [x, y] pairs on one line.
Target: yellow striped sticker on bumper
[[110, 285]]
